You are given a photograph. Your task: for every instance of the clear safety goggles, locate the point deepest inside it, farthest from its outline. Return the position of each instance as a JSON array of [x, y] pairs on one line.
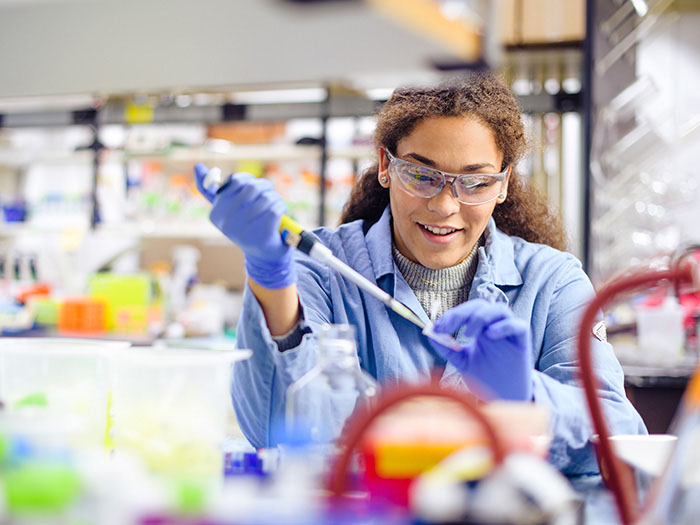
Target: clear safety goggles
[[470, 188]]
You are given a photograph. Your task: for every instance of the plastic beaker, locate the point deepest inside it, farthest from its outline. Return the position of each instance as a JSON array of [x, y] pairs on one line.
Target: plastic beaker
[[67, 377], [169, 408], [660, 334]]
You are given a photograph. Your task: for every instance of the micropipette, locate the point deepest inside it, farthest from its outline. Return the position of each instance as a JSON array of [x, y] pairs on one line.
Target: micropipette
[[295, 236]]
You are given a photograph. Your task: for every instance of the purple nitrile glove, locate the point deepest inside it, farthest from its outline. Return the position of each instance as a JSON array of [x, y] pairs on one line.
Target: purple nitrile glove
[[248, 211], [498, 348]]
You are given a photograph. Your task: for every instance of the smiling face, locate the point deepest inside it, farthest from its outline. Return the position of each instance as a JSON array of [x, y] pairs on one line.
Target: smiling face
[[439, 232]]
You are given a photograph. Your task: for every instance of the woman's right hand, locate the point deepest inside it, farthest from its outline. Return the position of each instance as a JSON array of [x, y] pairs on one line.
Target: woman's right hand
[[248, 211], [498, 348]]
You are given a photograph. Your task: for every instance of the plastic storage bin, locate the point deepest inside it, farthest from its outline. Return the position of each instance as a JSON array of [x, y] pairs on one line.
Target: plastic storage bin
[[660, 333], [82, 316], [66, 378], [170, 406]]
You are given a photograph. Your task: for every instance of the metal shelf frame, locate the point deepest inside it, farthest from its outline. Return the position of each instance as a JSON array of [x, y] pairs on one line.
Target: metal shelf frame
[[117, 112]]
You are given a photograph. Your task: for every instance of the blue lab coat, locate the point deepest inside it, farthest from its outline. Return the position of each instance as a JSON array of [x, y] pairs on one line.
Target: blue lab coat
[[543, 286]]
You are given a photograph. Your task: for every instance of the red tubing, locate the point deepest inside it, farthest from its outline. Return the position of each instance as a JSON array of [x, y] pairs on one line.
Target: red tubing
[[360, 422], [620, 484]]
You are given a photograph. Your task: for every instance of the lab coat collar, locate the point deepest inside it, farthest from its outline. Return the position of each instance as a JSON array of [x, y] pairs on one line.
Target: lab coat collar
[[386, 273], [379, 246], [498, 253]]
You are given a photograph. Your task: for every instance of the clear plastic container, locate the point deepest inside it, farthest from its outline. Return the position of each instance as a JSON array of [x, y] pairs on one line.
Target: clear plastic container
[[660, 333], [319, 403], [170, 408], [66, 378]]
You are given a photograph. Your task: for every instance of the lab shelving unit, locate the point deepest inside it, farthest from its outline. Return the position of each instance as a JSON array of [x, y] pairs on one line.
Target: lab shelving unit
[[547, 78], [153, 234], [439, 47]]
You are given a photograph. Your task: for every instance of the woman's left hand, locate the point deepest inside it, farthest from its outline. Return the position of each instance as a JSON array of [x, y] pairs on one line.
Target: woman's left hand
[[498, 348]]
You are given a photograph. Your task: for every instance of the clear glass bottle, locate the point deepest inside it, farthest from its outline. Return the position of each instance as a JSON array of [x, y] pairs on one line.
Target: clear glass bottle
[[319, 403]]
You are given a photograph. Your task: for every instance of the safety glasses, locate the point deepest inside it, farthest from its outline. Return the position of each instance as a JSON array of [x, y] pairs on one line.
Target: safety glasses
[[471, 188]]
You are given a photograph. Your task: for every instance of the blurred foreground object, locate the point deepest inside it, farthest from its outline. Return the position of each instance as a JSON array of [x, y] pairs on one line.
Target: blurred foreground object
[[419, 454], [319, 403], [669, 498]]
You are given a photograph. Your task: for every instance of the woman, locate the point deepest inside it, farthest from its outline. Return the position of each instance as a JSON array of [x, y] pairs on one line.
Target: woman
[[444, 224]]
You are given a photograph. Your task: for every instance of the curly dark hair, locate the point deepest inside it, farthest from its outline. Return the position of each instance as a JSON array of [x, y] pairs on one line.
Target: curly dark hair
[[482, 96]]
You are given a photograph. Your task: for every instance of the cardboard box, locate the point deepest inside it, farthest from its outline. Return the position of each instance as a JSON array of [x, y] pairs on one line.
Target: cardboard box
[[541, 21]]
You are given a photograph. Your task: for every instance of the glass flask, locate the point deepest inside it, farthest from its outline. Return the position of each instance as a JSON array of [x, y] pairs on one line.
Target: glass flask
[[319, 403]]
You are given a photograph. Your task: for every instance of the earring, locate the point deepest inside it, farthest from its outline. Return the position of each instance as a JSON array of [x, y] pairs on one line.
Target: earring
[[383, 179], [501, 197]]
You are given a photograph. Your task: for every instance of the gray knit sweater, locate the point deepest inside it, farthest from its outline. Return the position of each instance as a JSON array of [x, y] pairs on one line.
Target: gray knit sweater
[[439, 290]]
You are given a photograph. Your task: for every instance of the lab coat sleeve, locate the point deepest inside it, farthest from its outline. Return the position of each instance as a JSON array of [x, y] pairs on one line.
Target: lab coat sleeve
[[557, 384], [260, 383]]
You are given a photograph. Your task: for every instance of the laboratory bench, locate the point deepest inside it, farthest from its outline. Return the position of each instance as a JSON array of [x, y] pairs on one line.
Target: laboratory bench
[[133, 339], [656, 391], [654, 383]]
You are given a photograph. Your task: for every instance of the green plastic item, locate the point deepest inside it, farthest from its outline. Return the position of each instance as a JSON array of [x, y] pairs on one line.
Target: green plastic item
[[45, 311], [37, 399], [191, 497], [173, 207], [119, 292], [40, 488], [4, 450], [151, 199]]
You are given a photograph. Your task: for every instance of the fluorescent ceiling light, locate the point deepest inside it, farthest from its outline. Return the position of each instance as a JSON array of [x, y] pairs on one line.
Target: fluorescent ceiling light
[[183, 101], [276, 96], [207, 99], [46, 103], [379, 93], [640, 6]]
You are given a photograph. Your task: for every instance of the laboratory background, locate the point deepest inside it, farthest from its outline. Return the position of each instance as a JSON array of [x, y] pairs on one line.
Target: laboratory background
[[119, 299]]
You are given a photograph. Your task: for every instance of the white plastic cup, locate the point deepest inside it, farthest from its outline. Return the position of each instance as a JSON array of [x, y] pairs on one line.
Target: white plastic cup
[[660, 334]]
